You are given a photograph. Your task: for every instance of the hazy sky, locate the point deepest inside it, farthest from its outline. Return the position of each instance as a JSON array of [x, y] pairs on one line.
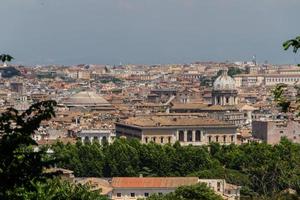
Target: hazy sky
[[147, 31]]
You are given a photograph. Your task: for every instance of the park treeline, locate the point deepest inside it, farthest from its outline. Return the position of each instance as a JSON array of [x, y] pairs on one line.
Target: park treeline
[[262, 170]]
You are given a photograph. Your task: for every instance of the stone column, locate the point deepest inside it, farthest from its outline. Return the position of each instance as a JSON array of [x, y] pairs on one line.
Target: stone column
[[185, 135], [100, 140], [91, 139], [82, 140], [231, 101], [194, 136]]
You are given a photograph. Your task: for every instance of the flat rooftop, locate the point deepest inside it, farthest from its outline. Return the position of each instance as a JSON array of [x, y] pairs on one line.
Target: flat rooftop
[[169, 121]]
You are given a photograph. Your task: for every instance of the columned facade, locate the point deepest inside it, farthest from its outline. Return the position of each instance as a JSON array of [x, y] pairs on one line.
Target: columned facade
[[224, 98], [199, 137], [224, 92], [100, 136]]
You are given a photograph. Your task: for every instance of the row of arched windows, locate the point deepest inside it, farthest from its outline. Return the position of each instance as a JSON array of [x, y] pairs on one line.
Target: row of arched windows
[[222, 139], [87, 139], [161, 140], [189, 136]]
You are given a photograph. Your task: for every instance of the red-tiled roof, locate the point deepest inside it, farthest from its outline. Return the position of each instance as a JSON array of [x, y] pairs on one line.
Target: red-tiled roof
[[152, 182]]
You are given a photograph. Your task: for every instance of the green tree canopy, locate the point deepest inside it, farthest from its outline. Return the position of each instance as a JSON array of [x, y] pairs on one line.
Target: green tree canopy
[[294, 43], [54, 189], [195, 192], [6, 58]]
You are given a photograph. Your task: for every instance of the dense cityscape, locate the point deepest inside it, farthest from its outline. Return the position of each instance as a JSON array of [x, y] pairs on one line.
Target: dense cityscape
[[120, 129], [149, 100]]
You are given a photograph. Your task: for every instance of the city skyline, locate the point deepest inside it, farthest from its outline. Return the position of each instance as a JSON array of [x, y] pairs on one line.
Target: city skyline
[[147, 32]]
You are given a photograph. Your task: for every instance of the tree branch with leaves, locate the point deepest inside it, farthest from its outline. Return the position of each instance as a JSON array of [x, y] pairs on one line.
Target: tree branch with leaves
[[294, 43], [6, 58]]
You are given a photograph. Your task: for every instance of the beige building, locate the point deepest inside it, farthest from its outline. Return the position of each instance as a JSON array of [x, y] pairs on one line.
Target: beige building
[[194, 130], [271, 131], [133, 188], [96, 135], [249, 80]]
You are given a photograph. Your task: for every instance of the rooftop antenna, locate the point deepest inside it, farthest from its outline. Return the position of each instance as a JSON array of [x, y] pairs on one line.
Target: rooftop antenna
[[254, 59]]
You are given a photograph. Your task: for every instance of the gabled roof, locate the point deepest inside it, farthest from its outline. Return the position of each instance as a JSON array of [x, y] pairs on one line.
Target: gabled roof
[[152, 182]]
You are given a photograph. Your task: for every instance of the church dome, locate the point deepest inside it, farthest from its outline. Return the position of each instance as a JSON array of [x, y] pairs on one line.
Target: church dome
[[224, 82], [86, 98]]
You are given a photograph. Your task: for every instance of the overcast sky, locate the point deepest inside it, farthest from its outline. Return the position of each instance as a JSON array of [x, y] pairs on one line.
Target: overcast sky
[[147, 31]]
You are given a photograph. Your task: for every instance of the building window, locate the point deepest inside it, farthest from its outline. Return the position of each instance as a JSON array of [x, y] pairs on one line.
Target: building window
[[169, 139], [86, 139], [209, 138], [119, 195], [218, 100], [154, 139], [104, 140], [160, 194], [162, 140], [189, 136], [198, 136], [227, 99], [281, 132], [232, 138], [224, 139], [146, 194], [218, 186], [217, 138], [146, 139], [132, 194], [181, 136]]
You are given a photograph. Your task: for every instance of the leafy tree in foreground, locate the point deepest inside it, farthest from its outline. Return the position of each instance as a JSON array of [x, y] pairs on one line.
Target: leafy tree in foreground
[[294, 43], [55, 189], [195, 192], [6, 58], [19, 163], [279, 97], [22, 167]]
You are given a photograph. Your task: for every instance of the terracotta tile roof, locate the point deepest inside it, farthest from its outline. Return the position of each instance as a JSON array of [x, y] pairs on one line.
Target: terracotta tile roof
[[165, 121], [152, 182], [96, 184], [201, 106]]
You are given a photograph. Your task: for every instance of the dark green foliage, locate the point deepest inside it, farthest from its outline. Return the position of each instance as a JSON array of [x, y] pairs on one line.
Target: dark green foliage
[[21, 168], [295, 43], [195, 192], [111, 79], [6, 58], [121, 159], [86, 160], [19, 164], [280, 99], [54, 189], [232, 71], [262, 169]]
